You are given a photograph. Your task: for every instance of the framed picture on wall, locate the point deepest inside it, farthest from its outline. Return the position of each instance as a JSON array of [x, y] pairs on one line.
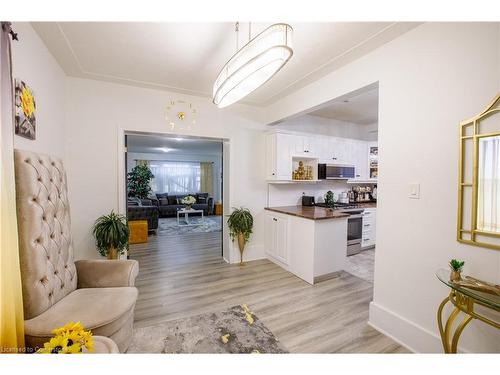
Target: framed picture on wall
[[25, 114]]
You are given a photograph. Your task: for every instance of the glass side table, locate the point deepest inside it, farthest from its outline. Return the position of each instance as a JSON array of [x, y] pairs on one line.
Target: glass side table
[[464, 299]]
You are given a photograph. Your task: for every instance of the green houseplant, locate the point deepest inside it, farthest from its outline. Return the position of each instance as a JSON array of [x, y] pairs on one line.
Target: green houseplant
[[138, 180], [111, 235], [240, 224], [456, 269]]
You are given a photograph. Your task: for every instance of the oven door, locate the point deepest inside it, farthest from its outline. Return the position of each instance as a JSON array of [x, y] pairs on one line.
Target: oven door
[[354, 234]]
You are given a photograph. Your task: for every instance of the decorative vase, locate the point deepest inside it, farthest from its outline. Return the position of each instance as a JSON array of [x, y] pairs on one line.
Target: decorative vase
[[455, 276], [187, 206], [241, 245], [112, 253]]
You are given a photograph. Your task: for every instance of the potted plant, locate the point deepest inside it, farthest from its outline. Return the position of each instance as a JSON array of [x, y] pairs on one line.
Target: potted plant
[[188, 201], [111, 235], [456, 269], [240, 224], [138, 182], [329, 198]]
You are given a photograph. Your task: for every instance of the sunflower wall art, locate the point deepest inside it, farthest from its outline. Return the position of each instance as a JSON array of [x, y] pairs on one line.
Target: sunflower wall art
[[25, 122]]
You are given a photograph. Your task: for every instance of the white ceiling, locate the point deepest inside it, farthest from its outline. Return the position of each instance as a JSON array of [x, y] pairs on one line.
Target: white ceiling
[[158, 144], [187, 57], [359, 109]]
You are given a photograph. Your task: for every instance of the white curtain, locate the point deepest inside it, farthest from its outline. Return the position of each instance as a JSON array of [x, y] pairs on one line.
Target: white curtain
[[488, 215], [175, 177]]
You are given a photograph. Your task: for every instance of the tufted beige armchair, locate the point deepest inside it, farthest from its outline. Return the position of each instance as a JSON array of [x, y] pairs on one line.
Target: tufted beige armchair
[[56, 289]]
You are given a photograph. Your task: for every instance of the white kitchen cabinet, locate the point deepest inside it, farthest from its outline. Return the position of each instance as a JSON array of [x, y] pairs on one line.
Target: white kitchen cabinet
[[360, 160], [276, 237], [310, 249], [278, 156], [304, 145], [369, 228], [339, 151], [283, 148]]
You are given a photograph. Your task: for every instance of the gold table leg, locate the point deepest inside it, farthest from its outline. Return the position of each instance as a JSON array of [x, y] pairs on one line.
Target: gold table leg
[[450, 343]]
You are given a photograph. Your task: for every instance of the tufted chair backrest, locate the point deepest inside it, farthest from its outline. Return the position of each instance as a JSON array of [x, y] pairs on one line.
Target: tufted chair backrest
[[48, 271]]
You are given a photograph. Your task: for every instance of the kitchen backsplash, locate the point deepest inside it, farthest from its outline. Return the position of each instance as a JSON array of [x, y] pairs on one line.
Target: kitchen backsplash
[[291, 194]]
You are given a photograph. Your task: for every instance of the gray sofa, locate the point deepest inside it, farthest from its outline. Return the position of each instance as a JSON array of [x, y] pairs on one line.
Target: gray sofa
[[143, 209], [168, 205]]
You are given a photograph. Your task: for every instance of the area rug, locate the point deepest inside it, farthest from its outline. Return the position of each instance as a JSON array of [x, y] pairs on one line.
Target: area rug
[[235, 330], [168, 226]]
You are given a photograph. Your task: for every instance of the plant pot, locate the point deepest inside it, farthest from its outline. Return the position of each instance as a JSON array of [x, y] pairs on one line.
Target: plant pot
[[112, 253], [241, 245], [455, 276], [188, 206]]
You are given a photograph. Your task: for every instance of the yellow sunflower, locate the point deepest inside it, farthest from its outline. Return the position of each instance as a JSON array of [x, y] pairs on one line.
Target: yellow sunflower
[[56, 345], [69, 339], [27, 102], [68, 327]]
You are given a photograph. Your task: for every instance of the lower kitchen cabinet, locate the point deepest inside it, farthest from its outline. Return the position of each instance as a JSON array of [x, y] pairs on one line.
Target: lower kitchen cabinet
[[277, 237], [369, 228], [310, 249]]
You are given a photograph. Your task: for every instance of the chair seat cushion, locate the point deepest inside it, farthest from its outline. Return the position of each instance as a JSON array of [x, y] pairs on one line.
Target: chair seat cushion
[[102, 310]]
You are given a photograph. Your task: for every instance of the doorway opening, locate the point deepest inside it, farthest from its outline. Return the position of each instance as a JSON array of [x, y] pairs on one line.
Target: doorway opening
[[345, 130], [174, 186]]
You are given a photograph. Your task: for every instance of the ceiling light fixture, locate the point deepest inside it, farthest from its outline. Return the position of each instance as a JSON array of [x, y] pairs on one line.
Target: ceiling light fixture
[[254, 64]]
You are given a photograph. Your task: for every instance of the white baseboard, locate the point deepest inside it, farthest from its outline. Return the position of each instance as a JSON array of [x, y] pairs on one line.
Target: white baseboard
[[252, 252], [405, 332]]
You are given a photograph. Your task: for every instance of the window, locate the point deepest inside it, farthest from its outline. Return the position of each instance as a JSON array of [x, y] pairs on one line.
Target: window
[[175, 177]]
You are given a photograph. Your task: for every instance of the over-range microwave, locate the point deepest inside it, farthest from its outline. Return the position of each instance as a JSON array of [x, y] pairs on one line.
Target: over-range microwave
[[335, 172]]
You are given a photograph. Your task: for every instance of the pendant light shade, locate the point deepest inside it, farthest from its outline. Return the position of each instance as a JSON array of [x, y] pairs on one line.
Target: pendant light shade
[[253, 65]]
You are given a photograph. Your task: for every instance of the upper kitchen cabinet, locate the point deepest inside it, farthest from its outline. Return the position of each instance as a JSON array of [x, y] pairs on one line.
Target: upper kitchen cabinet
[[279, 147], [360, 160], [334, 151], [304, 145], [283, 149]]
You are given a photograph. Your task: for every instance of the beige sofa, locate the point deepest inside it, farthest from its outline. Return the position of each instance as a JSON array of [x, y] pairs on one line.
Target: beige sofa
[[98, 293]]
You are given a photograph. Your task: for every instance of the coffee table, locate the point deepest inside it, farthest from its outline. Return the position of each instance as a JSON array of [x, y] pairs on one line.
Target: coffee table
[[186, 213]]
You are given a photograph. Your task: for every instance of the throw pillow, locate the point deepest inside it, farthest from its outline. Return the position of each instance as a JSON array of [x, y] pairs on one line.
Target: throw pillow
[[164, 202], [202, 198]]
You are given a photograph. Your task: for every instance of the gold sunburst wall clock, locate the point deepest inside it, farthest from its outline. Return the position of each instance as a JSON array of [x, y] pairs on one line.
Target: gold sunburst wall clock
[[180, 115]]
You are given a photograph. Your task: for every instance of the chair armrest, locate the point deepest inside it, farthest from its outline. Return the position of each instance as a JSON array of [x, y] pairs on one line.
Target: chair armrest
[[106, 273], [210, 203]]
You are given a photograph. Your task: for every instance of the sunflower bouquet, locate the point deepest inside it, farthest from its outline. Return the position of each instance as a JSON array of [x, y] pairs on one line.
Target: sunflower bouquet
[[72, 338]]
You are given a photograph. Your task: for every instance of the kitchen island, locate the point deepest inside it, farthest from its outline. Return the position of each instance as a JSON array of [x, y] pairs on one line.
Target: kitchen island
[[309, 242]]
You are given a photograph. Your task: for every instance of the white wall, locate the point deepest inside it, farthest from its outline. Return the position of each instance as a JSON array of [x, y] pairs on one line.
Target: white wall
[[97, 110], [326, 126], [215, 159], [430, 79], [32, 63]]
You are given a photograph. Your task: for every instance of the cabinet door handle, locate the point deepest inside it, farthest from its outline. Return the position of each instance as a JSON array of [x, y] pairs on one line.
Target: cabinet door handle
[[275, 219], [274, 174], [367, 225]]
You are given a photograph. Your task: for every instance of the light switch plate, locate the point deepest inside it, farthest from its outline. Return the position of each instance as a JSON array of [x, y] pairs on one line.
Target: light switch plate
[[414, 191]]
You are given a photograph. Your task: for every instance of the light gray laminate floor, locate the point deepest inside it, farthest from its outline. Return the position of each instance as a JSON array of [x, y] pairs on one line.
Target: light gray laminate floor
[[362, 265], [186, 275]]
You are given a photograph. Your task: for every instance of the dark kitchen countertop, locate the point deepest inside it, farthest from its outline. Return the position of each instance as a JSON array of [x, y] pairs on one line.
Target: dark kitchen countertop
[[309, 212]]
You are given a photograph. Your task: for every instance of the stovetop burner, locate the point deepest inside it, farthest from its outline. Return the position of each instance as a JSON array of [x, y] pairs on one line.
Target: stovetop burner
[[338, 205]]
